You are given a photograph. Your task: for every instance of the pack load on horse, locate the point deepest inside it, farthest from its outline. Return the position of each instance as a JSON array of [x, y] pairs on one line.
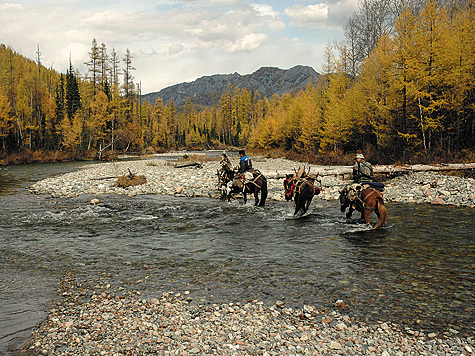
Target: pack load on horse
[[224, 174], [300, 187], [243, 179], [364, 198]]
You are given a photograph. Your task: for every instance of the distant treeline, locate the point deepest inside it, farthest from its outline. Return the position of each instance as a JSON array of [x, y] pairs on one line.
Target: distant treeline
[[400, 87]]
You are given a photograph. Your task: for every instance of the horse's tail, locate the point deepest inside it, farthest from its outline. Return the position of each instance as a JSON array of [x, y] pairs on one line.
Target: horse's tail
[[382, 212], [263, 191]]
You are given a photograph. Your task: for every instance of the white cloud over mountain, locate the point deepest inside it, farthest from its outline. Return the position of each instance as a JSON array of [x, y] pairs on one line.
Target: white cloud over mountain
[[176, 41]]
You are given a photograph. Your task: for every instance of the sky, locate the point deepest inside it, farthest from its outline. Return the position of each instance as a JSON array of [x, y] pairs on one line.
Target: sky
[[175, 41]]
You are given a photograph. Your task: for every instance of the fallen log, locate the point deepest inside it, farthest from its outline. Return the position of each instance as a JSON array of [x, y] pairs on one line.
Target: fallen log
[[194, 164], [323, 171]]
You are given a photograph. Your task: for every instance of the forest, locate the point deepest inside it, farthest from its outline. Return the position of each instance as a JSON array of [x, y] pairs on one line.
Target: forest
[[399, 88]]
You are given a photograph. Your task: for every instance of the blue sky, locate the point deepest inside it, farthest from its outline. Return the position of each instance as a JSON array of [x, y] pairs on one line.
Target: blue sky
[[174, 41]]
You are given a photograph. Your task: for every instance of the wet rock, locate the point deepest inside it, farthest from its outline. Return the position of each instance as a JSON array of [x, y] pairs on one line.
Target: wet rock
[[179, 190], [437, 201]]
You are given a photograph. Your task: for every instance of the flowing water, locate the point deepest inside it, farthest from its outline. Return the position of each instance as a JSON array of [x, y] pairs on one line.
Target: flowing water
[[418, 271]]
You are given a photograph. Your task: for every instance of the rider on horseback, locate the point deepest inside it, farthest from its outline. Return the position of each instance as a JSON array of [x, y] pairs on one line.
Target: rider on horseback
[[225, 161], [362, 174], [362, 170], [362, 178], [245, 163]]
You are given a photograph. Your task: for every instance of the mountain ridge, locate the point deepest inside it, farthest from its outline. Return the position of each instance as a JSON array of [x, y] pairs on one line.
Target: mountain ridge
[[207, 90]]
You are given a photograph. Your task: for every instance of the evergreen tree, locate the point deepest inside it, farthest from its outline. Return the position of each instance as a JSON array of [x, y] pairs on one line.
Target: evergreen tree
[[94, 65], [72, 95]]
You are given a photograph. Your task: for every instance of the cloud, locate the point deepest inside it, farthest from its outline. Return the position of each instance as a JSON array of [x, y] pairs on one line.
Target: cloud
[[172, 40], [332, 14], [9, 6], [175, 49], [310, 16], [264, 10], [248, 42]]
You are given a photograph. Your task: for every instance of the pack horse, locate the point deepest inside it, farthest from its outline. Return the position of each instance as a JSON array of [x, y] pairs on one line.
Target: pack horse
[[364, 198], [300, 187]]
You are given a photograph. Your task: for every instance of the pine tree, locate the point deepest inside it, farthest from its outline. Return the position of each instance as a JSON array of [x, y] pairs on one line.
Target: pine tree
[[94, 65], [72, 95]]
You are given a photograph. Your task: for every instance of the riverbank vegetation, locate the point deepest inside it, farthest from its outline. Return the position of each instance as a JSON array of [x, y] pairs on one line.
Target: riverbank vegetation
[[399, 88]]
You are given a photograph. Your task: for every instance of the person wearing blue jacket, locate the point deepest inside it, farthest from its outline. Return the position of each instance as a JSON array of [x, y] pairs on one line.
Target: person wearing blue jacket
[[245, 163]]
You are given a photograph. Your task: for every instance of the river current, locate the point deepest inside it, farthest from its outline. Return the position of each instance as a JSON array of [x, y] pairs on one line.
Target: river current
[[418, 271]]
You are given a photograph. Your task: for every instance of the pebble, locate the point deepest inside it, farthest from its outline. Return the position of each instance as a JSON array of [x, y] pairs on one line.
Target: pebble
[[105, 320], [99, 179]]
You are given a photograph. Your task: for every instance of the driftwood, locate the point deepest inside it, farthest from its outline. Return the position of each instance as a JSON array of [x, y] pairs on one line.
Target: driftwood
[[130, 180], [345, 170], [194, 164]]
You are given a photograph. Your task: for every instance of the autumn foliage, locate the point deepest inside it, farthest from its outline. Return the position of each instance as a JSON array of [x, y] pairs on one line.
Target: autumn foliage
[[408, 95]]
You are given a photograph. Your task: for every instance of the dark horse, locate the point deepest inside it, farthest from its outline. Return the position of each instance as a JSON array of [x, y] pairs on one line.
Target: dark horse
[[364, 199], [231, 183], [300, 187]]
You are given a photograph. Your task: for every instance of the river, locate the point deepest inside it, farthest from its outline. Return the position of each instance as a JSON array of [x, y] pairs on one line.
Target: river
[[418, 271]]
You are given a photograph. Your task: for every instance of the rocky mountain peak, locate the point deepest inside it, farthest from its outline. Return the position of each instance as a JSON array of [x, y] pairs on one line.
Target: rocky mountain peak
[[207, 90]]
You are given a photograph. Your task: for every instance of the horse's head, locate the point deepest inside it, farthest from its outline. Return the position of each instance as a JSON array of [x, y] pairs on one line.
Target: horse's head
[[225, 175], [344, 202]]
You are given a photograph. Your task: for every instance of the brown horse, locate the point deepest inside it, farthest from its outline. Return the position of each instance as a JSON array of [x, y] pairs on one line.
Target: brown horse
[[230, 183], [301, 188], [365, 200]]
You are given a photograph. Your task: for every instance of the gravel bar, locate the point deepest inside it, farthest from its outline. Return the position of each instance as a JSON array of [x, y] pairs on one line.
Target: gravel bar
[[163, 178], [105, 320]]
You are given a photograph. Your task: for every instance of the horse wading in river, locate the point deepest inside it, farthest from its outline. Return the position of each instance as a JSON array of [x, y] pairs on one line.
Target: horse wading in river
[[231, 184], [300, 187], [365, 199]]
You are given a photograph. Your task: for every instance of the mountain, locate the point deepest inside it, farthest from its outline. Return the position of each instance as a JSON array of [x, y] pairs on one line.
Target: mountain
[[207, 90]]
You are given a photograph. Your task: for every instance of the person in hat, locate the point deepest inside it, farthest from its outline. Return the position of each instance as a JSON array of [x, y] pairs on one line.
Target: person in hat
[[245, 163], [362, 170], [225, 162]]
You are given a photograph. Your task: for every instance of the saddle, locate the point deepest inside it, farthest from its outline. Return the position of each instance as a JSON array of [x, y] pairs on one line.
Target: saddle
[[353, 191], [376, 185], [247, 177]]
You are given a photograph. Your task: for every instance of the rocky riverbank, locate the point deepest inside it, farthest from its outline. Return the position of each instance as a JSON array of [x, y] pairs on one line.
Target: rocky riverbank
[[105, 320], [163, 178], [100, 317]]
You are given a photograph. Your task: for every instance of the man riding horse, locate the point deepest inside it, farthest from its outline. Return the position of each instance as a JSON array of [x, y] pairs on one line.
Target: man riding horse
[[242, 179], [362, 170], [354, 196]]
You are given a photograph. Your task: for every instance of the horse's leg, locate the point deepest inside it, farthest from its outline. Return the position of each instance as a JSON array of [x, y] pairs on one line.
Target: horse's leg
[[309, 200], [256, 196], [350, 211], [263, 191], [298, 205], [365, 214], [381, 212]]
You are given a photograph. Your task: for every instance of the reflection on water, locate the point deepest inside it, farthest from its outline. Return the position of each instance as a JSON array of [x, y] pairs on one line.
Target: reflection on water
[[417, 271]]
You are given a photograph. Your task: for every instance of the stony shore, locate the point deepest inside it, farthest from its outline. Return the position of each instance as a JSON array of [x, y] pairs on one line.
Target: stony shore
[[163, 178], [102, 319]]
